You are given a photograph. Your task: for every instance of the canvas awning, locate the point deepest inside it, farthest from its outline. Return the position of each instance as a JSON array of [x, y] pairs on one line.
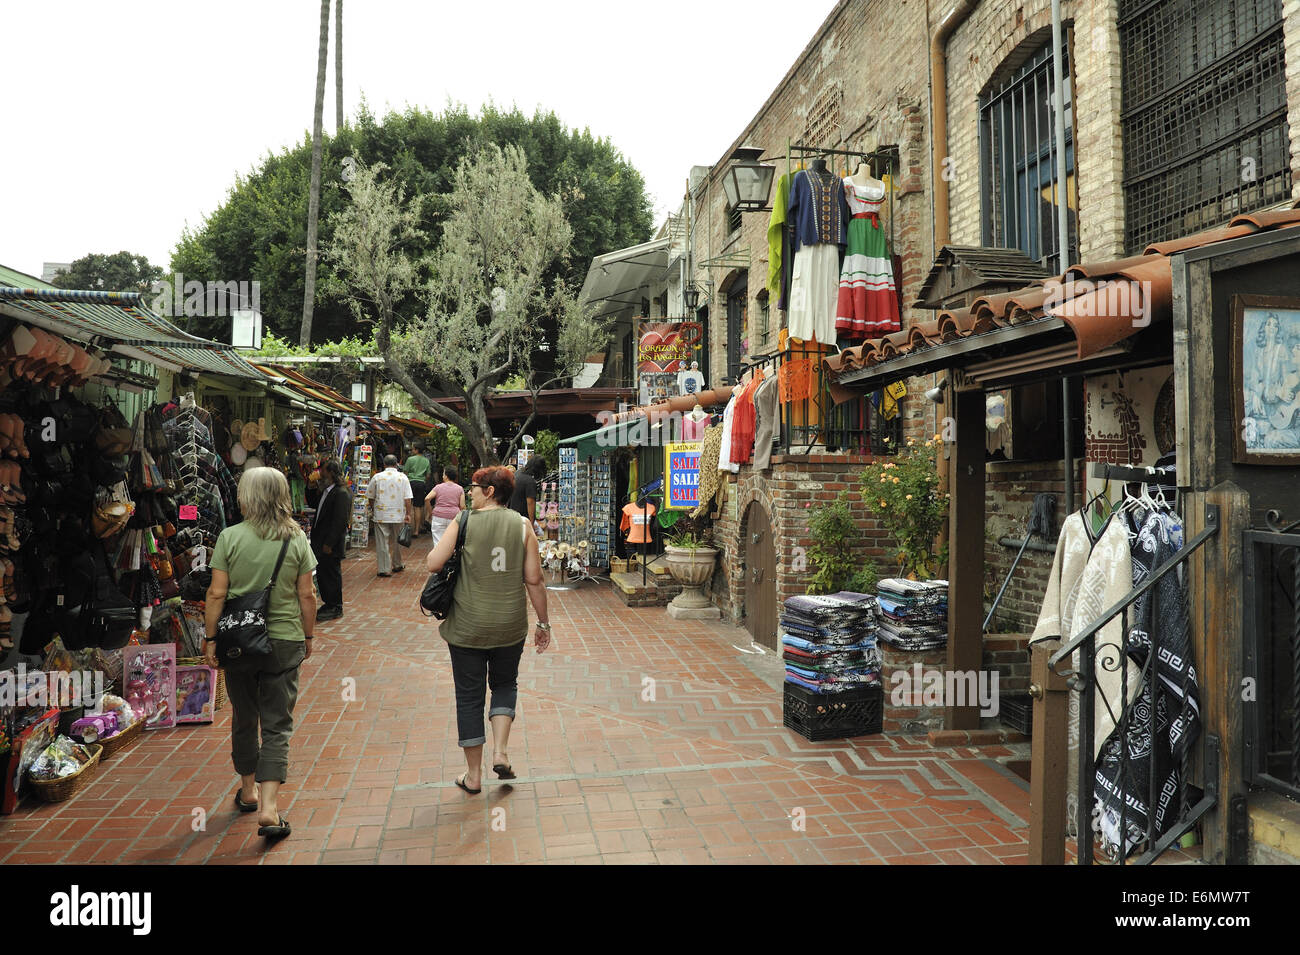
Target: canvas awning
[[120, 322], [615, 278]]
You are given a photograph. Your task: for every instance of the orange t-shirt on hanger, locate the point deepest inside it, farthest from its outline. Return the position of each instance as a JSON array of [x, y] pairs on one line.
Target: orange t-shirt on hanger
[[636, 521]]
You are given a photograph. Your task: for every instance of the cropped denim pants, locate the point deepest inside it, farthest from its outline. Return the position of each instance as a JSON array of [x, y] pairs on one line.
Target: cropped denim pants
[[475, 670]]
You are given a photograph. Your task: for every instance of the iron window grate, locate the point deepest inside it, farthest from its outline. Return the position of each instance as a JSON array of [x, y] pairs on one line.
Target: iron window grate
[[1018, 162], [1204, 120]]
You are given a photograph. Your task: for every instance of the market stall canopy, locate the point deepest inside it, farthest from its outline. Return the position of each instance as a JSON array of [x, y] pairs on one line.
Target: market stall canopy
[[555, 401], [1095, 315], [615, 277], [121, 322], [635, 427]]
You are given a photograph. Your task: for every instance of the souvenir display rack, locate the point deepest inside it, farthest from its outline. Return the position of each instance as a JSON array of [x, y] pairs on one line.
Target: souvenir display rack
[[363, 461], [585, 496]]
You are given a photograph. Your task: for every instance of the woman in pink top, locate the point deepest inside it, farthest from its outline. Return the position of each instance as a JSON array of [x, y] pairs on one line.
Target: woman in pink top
[[447, 500]]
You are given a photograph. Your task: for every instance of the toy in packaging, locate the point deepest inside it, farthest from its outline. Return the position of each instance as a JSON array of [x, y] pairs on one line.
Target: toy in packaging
[[61, 758], [149, 678], [118, 708], [90, 729], [195, 689]]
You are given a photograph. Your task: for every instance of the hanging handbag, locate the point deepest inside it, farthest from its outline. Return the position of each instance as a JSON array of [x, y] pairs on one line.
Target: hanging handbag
[[404, 536], [435, 599], [241, 628], [109, 519]]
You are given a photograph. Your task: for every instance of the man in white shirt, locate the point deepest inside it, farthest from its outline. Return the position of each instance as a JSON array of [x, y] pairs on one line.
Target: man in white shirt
[[389, 493]]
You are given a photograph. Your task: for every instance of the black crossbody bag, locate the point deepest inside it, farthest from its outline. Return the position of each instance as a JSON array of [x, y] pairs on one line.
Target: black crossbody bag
[[241, 628], [435, 599]]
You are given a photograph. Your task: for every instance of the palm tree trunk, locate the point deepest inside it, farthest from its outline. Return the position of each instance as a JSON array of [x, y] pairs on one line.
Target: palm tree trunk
[[338, 65], [313, 201]]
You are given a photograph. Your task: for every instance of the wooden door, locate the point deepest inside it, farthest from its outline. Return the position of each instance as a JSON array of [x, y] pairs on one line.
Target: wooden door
[[760, 577]]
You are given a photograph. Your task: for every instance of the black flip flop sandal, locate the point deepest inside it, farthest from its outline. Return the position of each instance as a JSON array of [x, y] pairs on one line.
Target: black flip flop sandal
[[275, 832], [244, 806], [503, 771], [460, 781]]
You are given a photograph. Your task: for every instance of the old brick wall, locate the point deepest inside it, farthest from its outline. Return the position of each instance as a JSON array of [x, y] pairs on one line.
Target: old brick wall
[[786, 492], [997, 38], [840, 93], [1009, 498]]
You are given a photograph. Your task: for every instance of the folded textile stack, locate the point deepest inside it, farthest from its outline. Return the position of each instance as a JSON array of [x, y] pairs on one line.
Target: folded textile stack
[[913, 613], [828, 642]]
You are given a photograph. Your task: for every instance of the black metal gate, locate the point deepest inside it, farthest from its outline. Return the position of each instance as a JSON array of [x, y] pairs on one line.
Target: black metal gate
[[1271, 694]]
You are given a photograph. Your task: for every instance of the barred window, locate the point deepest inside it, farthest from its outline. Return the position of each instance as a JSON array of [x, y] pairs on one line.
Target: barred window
[[1018, 162], [1204, 114]]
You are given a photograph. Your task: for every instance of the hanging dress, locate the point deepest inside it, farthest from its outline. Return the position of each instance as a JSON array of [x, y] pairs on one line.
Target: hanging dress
[[867, 306], [817, 212]]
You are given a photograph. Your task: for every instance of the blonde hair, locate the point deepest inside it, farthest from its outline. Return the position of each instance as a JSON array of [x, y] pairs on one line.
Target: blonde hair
[[265, 504]]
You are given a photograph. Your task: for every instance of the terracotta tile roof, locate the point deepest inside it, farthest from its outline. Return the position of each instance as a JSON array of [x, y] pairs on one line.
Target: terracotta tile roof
[[1102, 302]]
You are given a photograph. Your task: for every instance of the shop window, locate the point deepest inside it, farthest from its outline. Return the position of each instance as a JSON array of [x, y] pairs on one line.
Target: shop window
[[1204, 114], [1018, 162], [737, 325]]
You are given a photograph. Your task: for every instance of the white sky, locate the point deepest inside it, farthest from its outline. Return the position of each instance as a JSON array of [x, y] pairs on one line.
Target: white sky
[[127, 120]]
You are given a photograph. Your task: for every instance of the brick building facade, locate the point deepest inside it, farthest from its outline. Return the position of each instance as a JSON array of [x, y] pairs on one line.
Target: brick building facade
[[863, 82]]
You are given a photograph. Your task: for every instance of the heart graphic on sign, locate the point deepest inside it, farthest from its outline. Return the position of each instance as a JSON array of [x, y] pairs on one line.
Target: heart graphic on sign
[[661, 349]]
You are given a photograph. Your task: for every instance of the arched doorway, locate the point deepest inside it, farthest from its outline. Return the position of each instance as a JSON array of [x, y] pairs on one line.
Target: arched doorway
[[760, 576]]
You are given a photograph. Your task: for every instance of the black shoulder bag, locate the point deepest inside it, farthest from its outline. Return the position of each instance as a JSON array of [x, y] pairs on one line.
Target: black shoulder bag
[[241, 628], [435, 599]]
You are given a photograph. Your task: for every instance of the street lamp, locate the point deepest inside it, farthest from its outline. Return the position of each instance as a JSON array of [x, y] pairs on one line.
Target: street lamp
[[747, 182], [691, 298]]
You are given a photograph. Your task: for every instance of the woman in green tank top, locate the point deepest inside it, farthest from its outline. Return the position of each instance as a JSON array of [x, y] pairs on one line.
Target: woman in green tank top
[[488, 623]]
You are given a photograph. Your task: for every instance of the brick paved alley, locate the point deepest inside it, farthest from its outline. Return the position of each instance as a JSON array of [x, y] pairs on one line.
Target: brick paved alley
[[704, 773]]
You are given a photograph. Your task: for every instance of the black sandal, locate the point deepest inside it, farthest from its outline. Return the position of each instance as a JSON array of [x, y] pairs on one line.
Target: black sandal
[[275, 832], [460, 781], [244, 806]]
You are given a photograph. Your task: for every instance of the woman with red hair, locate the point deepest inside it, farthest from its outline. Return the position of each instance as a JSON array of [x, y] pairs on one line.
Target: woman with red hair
[[488, 622]]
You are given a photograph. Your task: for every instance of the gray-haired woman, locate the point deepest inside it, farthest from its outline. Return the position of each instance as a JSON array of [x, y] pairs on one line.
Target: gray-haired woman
[[263, 690]]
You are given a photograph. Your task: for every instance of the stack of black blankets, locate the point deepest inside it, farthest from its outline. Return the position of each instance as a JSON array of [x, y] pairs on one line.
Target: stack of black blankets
[[913, 613], [829, 642]]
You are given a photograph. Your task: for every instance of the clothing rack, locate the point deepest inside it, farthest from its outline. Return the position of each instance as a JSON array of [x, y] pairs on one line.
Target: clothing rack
[[1128, 474]]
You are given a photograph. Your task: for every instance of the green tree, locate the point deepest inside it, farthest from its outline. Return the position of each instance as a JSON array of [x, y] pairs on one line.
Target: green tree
[[484, 303], [259, 232], [119, 272]]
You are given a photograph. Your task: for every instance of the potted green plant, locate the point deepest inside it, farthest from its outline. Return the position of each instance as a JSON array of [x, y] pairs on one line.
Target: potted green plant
[[690, 558], [904, 494]]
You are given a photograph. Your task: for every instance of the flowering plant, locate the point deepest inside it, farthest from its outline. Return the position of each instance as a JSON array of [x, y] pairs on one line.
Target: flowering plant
[[904, 493]]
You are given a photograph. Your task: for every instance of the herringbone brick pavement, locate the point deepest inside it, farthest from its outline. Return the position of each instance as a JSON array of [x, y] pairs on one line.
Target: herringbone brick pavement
[[640, 739]]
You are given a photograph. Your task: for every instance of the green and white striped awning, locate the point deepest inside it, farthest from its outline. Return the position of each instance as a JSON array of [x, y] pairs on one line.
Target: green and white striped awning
[[120, 322]]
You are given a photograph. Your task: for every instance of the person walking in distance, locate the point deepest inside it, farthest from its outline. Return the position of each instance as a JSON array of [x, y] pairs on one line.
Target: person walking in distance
[[418, 468], [447, 500], [328, 536], [488, 623], [389, 493], [264, 689]]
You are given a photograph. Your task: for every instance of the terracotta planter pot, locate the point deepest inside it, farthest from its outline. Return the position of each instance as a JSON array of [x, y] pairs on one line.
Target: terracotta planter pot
[[692, 569]]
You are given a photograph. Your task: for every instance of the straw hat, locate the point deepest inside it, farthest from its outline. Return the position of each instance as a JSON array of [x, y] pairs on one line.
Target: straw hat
[[248, 437], [261, 430]]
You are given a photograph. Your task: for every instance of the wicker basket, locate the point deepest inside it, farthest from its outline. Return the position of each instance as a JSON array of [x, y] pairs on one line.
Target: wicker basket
[[119, 741], [57, 790]]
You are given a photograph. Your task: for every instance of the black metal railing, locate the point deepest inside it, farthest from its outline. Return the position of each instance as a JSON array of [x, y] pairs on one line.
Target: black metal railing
[[1146, 649], [1272, 658], [811, 421]]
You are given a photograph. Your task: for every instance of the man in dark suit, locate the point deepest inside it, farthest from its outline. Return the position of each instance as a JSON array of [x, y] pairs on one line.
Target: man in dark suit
[[328, 535]]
